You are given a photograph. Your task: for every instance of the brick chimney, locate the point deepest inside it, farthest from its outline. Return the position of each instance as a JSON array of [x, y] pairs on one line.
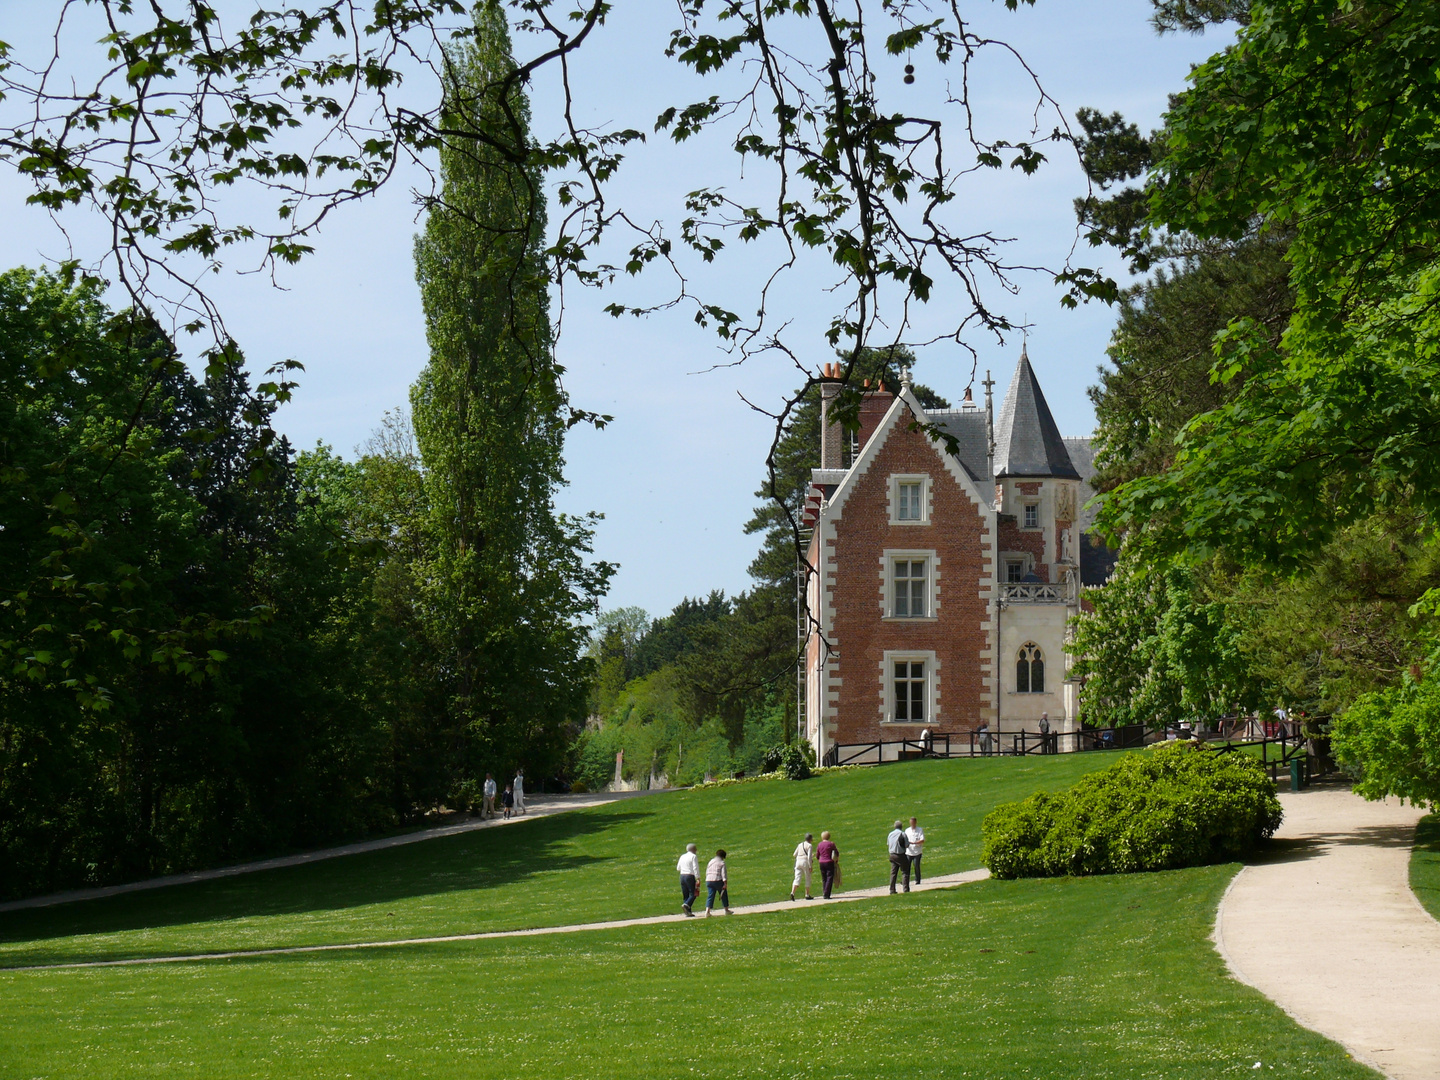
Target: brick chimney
[[873, 406], [832, 435]]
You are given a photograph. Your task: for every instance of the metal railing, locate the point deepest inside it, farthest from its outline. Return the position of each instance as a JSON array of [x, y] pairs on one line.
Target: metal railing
[[1275, 753]]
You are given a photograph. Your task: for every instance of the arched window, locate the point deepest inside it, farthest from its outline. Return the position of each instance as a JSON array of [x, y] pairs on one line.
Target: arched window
[[1030, 670]]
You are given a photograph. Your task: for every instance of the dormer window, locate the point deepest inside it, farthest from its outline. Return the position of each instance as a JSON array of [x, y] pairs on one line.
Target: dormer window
[[911, 507], [1032, 515], [910, 500]]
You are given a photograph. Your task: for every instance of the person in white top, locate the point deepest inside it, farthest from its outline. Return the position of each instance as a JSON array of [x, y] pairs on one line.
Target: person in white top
[[915, 846], [520, 791], [804, 865], [689, 868], [717, 883], [487, 804]]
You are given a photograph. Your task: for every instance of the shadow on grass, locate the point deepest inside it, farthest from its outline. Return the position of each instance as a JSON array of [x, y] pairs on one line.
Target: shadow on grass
[[483, 859]]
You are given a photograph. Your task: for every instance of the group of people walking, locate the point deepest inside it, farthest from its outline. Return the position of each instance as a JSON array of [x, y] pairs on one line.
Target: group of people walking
[[511, 802], [905, 845]]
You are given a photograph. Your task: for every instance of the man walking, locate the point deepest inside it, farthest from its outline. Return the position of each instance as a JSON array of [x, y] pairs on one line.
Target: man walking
[[899, 860], [520, 791], [984, 731], [804, 864], [487, 801], [1045, 733], [915, 846], [689, 867]]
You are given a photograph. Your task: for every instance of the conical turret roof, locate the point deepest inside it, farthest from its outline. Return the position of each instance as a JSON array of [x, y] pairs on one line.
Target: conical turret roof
[[1027, 442]]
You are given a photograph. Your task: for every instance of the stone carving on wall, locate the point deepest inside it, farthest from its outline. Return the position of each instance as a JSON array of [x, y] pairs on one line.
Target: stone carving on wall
[[1065, 502]]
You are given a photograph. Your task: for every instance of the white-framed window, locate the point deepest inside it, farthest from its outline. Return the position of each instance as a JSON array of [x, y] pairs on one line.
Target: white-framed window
[[1015, 565], [910, 680], [1032, 515], [909, 500], [1030, 669], [910, 579], [1014, 569]]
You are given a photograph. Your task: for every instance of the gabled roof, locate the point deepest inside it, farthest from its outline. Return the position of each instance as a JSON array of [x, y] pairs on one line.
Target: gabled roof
[[967, 426], [1027, 442]]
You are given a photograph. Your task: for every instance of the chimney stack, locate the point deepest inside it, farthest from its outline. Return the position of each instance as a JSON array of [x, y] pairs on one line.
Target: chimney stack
[[832, 452]]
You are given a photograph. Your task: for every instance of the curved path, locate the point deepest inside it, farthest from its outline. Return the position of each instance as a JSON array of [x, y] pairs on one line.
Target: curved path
[[535, 805], [1329, 930], [948, 881]]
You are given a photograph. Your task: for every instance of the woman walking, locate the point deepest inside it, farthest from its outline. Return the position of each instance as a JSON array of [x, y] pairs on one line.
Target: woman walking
[[804, 864], [828, 856], [717, 883]]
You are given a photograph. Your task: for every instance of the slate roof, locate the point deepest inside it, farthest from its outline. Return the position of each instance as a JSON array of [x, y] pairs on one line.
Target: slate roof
[[1096, 560], [1027, 442], [967, 426]]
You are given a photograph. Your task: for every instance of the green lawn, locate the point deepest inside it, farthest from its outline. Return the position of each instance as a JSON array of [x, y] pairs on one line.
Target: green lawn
[[1425, 864], [607, 862], [1109, 978]]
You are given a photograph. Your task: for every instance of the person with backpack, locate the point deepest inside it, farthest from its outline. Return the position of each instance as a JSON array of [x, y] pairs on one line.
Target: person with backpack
[[898, 847], [717, 883]]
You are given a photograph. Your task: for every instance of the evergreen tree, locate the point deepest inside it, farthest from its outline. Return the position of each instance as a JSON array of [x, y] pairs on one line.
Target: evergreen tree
[[508, 579]]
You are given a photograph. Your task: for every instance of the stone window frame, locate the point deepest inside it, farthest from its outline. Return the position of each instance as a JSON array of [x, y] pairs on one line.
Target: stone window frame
[[932, 687], [888, 558], [1029, 504], [1026, 560], [926, 498]]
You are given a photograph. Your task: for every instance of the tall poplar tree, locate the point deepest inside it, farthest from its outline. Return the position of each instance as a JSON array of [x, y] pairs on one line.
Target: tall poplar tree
[[508, 580]]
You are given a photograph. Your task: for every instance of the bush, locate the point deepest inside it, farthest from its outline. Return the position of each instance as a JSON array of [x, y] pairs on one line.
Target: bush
[[578, 788], [790, 760], [1171, 806], [1391, 740]]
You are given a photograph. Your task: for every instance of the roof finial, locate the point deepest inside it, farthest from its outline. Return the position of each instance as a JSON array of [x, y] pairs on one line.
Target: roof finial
[[905, 382], [1025, 337]]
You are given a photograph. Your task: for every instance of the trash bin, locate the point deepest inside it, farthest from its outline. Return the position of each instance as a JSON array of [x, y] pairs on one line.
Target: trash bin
[[1298, 779]]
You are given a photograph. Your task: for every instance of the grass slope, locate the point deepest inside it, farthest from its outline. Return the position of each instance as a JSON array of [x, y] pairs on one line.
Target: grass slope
[[612, 861], [1109, 977], [1425, 864]]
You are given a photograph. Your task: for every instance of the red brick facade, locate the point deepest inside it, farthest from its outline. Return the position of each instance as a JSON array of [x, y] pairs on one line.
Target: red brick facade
[[957, 543]]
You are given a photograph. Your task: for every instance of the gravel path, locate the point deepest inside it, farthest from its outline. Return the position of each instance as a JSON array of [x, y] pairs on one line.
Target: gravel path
[[948, 881], [536, 806], [1329, 929]]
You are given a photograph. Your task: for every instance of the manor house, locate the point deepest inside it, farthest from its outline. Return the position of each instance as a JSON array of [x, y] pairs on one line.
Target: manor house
[[944, 571]]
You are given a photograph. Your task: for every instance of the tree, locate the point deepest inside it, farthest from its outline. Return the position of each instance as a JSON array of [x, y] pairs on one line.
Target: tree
[[1158, 651], [1319, 125], [507, 580]]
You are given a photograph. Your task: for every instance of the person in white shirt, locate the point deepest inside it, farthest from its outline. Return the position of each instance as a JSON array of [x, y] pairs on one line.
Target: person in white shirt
[[689, 867], [915, 846], [717, 883], [520, 791], [804, 865], [898, 847], [487, 804]]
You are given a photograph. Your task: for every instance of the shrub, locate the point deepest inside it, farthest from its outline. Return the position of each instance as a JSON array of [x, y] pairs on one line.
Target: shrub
[[578, 788], [790, 760], [1392, 740], [1171, 806]]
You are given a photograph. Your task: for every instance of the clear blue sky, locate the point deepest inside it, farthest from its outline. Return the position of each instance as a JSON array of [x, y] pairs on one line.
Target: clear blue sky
[[674, 474]]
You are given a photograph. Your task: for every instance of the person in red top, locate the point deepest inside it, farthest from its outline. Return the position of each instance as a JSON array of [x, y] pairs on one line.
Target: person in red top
[[828, 856]]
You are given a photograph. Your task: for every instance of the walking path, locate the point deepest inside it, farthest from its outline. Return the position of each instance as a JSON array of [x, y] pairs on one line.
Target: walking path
[[1329, 930], [536, 806], [948, 881]]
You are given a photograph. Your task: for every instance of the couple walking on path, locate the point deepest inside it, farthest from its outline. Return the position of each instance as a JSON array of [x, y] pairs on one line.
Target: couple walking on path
[[717, 881], [906, 847], [807, 854]]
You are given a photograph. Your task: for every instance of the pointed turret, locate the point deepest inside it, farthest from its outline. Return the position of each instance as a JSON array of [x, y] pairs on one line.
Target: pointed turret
[[1027, 442]]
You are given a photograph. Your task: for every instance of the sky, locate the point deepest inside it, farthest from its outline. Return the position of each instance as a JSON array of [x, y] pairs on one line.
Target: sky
[[674, 473]]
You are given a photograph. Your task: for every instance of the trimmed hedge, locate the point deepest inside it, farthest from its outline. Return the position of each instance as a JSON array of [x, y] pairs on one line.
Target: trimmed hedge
[[1170, 806], [790, 760]]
